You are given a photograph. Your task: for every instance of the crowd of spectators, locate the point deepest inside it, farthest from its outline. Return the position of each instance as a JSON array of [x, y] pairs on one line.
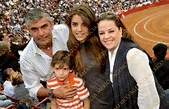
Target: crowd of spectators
[[12, 12]]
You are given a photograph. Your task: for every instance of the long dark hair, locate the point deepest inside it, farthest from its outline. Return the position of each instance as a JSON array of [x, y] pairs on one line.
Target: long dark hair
[[92, 43]]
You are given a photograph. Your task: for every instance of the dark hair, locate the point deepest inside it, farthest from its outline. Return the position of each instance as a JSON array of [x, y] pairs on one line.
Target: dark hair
[[92, 44], [1, 36], [85, 12], [160, 50], [112, 16], [62, 57]]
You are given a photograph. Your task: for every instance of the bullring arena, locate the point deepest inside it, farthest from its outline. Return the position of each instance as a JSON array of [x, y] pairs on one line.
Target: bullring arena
[[149, 25]]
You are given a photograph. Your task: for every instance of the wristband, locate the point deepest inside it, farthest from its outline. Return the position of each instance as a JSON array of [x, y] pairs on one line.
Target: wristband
[[50, 94]]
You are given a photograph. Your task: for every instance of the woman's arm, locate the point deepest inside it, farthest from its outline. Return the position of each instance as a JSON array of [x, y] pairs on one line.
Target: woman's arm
[[138, 64]]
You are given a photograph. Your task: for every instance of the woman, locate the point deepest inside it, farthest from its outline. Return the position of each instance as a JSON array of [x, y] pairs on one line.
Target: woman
[[90, 56], [130, 73], [162, 65]]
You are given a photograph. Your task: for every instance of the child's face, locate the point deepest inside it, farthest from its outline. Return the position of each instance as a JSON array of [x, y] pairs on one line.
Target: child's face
[[61, 73]]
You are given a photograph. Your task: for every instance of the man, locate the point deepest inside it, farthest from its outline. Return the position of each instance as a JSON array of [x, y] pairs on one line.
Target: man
[[161, 65], [36, 57]]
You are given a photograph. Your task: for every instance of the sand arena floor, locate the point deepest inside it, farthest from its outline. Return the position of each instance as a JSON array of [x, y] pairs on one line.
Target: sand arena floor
[[149, 27]]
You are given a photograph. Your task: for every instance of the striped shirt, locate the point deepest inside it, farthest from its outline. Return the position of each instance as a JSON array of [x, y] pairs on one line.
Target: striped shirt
[[77, 101], [35, 64]]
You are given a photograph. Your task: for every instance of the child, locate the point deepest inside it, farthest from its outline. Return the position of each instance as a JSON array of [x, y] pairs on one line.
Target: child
[[63, 66], [21, 93]]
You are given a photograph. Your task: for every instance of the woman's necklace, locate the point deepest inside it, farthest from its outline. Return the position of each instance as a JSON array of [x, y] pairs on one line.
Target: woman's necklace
[[47, 47]]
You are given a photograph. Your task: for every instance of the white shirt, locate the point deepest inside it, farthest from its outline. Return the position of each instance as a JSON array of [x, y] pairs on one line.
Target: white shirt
[[35, 64], [111, 61], [9, 89], [138, 65]]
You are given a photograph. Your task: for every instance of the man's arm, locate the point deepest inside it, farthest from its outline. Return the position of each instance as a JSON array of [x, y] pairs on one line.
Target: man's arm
[[30, 78], [60, 92], [64, 92], [32, 82], [43, 92]]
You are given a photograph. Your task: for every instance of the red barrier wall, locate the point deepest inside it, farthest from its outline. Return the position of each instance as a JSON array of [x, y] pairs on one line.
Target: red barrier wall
[[146, 7]]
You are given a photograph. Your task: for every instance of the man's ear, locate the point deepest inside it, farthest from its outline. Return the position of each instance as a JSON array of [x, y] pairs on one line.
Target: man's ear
[[53, 22], [27, 28]]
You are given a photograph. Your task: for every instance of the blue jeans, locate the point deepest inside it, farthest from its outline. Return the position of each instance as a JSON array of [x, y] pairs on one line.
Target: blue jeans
[[5, 103]]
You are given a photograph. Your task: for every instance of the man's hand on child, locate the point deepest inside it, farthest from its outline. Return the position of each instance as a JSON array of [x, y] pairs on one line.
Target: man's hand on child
[[65, 92]]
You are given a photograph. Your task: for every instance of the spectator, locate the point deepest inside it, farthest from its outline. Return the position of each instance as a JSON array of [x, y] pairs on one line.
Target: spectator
[[4, 37], [8, 60], [63, 66], [90, 56], [161, 65], [21, 93], [131, 76], [15, 48], [8, 87], [36, 57]]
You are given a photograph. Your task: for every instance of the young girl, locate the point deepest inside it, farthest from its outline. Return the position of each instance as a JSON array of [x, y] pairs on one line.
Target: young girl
[[90, 55]]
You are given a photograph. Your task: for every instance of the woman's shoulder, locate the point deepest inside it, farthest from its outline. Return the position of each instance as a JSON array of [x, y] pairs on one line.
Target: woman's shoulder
[[135, 53]]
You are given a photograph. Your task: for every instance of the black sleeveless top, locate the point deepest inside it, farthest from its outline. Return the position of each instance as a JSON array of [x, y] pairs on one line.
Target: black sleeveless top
[[99, 86], [125, 90]]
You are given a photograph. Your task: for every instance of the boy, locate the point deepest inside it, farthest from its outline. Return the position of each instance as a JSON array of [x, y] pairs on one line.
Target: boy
[[63, 66]]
